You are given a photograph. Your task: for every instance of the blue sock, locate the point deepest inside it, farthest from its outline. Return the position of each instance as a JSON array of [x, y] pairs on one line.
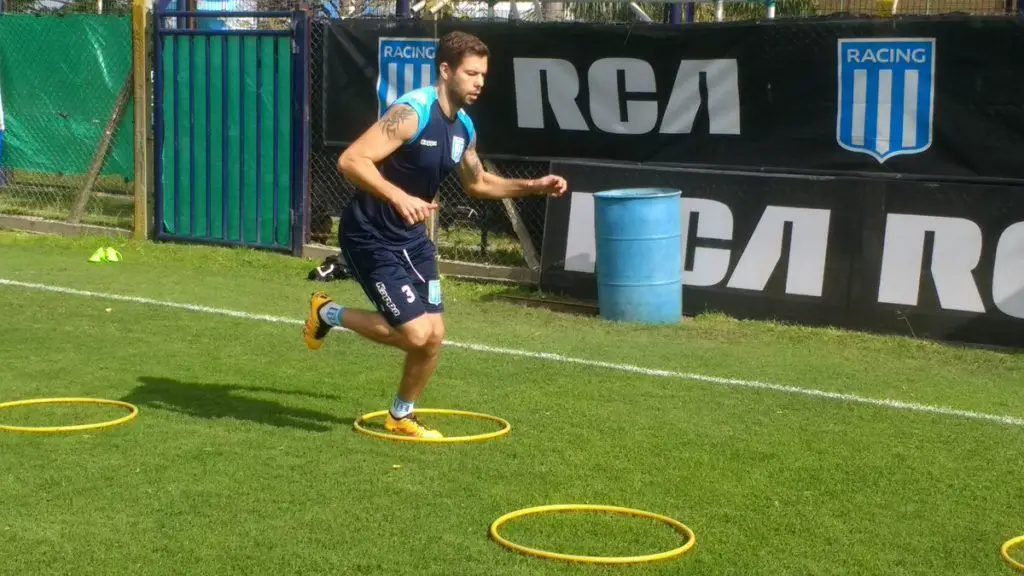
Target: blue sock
[[331, 313], [400, 408]]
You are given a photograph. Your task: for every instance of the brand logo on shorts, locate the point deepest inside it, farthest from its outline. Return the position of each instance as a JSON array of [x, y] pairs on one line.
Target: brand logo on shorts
[[382, 290], [403, 65]]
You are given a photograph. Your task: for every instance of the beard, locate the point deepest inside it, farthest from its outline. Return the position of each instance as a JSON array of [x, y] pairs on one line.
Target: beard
[[459, 99]]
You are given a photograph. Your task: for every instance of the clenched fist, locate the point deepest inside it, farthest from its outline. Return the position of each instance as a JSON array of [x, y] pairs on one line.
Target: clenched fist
[[551, 185]]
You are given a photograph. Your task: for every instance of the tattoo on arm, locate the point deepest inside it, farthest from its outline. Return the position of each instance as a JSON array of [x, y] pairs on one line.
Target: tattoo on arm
[[392, 121], [473, 166]]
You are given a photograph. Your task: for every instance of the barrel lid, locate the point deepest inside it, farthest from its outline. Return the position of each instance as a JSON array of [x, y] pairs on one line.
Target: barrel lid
[[638, 193]]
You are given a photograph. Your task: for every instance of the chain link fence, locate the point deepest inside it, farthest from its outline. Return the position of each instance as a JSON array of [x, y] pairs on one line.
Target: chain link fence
[[64, 7], [66, 113], [501, 233], [329, 191], [703, 11], [706, 11]]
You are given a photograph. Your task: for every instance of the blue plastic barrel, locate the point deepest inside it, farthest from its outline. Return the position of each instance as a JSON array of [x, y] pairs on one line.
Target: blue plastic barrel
[[639, 255]]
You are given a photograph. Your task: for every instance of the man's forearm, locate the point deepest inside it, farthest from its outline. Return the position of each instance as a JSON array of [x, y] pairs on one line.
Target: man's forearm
[[365, 176], [494, 187]]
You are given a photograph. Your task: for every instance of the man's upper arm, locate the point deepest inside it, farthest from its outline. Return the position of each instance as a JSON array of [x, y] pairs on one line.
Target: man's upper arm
[[398, 125], [471, 170]]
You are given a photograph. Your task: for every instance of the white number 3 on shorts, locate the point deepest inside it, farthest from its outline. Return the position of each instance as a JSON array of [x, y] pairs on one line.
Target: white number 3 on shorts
[[410, 296], [434, 291]]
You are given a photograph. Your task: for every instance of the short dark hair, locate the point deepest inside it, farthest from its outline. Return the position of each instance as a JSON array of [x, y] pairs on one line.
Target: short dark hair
[[454, 46]]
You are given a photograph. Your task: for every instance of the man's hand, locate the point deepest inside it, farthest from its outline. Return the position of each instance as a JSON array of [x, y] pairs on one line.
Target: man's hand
[[551, 185], [412, 209]]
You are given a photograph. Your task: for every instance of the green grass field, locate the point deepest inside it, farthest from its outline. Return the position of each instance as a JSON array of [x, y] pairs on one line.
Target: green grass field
[[243, 459]]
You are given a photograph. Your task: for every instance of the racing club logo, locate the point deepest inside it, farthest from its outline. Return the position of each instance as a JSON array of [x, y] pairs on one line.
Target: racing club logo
[[886, 96], [403, 65], [458, 147]]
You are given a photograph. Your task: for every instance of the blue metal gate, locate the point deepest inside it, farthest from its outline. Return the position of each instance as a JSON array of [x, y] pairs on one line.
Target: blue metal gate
[[231, 119]]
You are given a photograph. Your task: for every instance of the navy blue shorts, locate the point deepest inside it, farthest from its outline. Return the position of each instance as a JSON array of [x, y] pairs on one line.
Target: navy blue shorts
[[402, 284]]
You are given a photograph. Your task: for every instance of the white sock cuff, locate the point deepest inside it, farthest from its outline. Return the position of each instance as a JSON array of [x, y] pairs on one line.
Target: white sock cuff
[[331, 314], [400, 408]]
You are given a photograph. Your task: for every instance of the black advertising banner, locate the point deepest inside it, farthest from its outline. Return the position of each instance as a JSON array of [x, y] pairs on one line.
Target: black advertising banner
[[944, 260], [933, 260], [937, 97]]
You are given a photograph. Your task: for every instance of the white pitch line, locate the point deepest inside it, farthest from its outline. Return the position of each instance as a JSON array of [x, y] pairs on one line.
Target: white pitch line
[[850, 398]]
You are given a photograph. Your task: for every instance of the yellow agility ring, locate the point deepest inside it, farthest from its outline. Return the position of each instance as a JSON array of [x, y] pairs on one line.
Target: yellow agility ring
[[691, 539], [1005, 551], [505, 427], [133, 411]]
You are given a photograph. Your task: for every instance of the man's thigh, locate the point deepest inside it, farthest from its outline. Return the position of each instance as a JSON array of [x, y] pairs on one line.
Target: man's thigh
[[421, 262], [387, 282]]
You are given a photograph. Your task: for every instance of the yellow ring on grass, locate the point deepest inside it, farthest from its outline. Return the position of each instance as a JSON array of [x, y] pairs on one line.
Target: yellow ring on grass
[[505, 427], [1005, 551], [133, 412], [691, 539]]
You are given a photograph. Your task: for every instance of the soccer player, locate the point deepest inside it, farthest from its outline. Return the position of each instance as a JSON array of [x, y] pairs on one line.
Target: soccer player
[[397, 165]]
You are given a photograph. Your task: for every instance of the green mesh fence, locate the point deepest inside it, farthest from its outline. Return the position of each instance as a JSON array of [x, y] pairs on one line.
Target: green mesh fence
[[63, 81]]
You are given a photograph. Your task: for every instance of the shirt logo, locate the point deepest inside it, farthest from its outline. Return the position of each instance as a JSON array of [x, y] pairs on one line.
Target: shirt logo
[[458, 146]]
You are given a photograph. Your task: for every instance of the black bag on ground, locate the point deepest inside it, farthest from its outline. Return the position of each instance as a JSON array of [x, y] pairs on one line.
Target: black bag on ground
[[333, 268]]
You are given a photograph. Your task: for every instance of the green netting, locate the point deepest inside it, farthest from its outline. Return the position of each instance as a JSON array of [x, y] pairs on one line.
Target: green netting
[[60, 77]]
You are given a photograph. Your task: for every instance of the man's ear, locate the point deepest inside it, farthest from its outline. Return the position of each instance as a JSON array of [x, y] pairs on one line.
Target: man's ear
[[444, 70]]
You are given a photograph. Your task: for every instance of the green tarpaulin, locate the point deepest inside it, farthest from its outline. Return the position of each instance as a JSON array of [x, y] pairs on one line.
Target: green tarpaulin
[[60, 77]]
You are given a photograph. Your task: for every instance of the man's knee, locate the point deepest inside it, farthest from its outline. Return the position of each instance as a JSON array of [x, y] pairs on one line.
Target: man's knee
[[438, 332], [424, 334]]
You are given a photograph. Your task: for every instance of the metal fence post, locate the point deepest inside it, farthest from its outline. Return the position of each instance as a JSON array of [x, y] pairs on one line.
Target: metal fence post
[[158, 124], [140, 74], [675, 13], [300, 112]]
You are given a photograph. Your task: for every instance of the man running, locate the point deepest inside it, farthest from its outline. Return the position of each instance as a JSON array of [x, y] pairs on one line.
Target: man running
[[423, 136]]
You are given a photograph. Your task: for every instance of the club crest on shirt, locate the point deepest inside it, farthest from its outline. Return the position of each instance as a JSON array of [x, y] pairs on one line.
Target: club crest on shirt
[[458, 147]]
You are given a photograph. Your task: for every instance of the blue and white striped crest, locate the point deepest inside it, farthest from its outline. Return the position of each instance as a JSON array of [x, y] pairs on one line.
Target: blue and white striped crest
[[886, 96], [458, 147], [403, 65]]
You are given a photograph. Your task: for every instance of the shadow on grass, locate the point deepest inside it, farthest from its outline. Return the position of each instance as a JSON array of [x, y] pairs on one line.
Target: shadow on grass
[[214, 401], [529, 297]]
